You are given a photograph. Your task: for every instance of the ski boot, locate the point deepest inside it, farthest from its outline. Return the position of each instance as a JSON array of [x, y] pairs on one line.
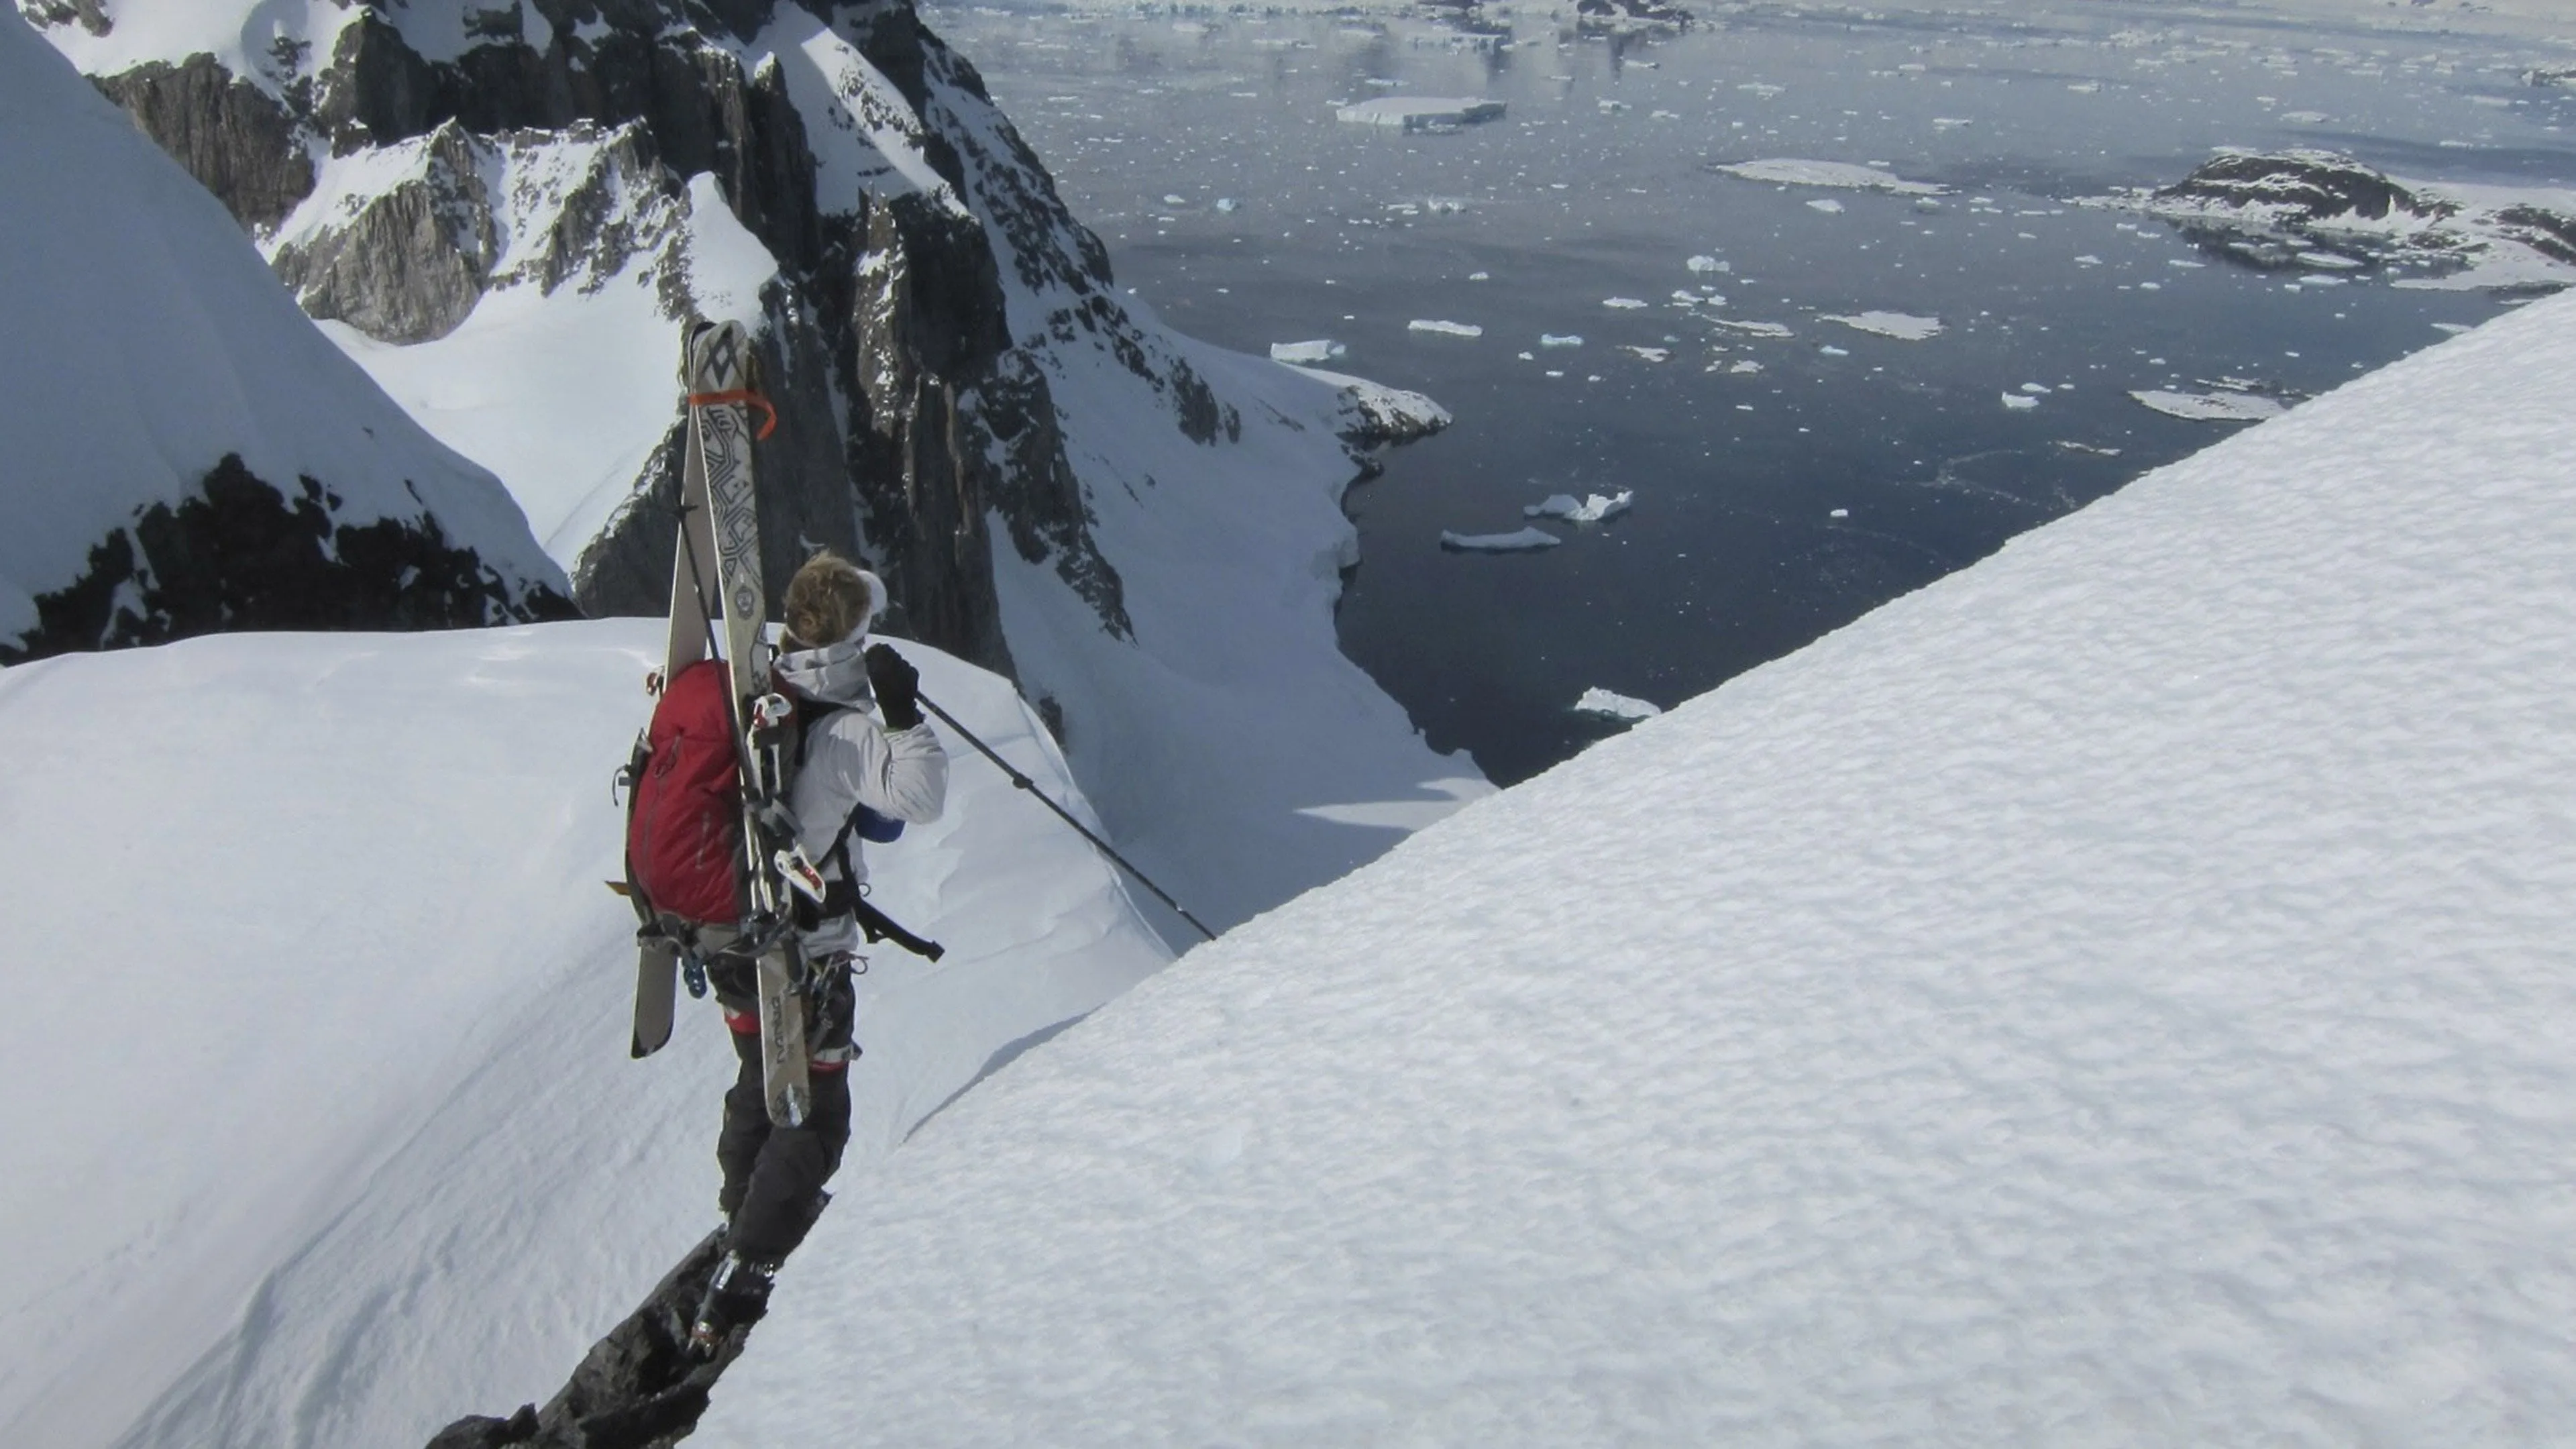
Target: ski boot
[[736, 1296]]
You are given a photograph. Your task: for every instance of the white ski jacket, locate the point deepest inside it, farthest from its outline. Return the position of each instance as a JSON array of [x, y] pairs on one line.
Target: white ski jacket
[[852, 759]]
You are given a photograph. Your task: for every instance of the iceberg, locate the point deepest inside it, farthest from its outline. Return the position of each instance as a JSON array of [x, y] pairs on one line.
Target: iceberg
[[2211, 407], [1322, 349], [1526, 540], [1445, 329], [1898, 325], [1591, 509], [1597, 700], [1419, 113], [1785, 171]]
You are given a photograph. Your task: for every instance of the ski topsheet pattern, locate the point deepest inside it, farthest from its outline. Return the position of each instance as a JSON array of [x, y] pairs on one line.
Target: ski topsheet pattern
[[718, 559]]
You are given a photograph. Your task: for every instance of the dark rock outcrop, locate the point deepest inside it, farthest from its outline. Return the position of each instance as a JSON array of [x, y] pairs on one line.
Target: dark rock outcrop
[[245, 554], [2300, 188], [909, 413], [637, 1389], [238, 142], [2295, 210]]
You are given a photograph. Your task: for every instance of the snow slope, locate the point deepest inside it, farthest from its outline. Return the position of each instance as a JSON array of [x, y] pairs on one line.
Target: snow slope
[[1229, 745], [359, 1149], [151, 341], [2124, 993]]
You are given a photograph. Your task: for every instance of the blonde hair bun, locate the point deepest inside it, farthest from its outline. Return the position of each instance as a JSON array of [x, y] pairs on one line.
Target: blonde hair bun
[[831, 599]]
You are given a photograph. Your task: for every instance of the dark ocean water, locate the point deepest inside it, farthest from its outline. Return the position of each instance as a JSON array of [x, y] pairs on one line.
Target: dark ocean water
[[1771, 505]]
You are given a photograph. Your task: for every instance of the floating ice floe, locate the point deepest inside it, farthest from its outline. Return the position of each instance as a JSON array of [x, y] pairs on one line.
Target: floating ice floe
[[1564, 339], [2020, 402], [1949, 123], [1830, 350], [2035, 389], [1445, 329], [1752, 329], [1322, 349], [2211, 407], [1597, 700], [1706, 265], [1903, 326], [1419, 113], [1745, 367], [1789, 171], [1592, 508], [2088, 260], [1624, 304], [1228, 204], [1526, 540], [1650, 354]]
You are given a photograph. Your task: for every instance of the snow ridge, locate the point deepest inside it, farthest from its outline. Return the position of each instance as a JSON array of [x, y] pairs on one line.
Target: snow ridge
[[2118, 992]]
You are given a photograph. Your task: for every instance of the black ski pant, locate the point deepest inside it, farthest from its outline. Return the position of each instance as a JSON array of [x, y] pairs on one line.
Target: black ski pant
[[774, 1176]]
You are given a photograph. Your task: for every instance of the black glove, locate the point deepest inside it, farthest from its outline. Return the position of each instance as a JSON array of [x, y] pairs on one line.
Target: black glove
[[897, 687]]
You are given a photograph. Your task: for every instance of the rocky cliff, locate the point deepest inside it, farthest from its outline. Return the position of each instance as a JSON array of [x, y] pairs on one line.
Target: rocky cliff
[[415, 161], [185, 454]]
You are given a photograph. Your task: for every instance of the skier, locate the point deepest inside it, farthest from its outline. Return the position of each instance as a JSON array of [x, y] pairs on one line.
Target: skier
[[868, 762]]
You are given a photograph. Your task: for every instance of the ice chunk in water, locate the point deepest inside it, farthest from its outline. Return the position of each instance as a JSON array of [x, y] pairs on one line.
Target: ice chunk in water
[[1322, 349], [1900, 325], [1525, 541], [1420, 113], [2211, 407], [1592, 508], [1597, 700], [1446, 329]]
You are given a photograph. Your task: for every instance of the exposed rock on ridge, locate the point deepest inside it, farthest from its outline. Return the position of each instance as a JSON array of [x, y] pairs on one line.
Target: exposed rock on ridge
[[912, 420], [249, 555]]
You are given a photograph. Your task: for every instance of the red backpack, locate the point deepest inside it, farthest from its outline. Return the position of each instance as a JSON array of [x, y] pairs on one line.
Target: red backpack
[[684, 815]]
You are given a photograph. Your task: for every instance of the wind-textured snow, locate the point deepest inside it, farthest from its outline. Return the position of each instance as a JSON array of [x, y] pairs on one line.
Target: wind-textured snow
[[358, 1149], [151, 341], [2122, 993]]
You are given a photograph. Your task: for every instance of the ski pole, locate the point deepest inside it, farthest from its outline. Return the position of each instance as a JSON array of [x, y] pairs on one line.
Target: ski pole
[[1025, 783]]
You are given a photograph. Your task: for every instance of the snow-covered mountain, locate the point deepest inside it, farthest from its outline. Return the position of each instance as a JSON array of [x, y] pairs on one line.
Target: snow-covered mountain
[[501, 210], [355, 1144], [185, 453], [2119, 994], [2123, 993]]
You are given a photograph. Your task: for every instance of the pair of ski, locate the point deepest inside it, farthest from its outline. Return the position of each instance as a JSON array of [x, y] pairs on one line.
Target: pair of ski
[[719, 560]]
